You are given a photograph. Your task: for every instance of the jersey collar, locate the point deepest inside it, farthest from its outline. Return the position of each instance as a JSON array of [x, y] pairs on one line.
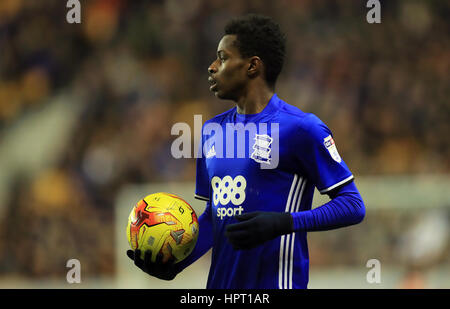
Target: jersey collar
[[270, 108]]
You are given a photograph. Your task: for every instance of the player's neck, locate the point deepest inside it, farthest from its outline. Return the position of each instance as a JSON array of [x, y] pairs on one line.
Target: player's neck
[[254, 100]]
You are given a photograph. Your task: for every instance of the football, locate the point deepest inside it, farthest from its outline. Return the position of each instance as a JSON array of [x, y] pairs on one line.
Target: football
[[163, 223]]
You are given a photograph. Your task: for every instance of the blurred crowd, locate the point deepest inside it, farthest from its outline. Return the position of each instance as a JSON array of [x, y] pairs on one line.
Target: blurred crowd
[[137, 67]]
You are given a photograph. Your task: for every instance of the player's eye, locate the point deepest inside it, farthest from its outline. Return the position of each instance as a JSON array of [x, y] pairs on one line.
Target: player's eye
[[221, 57]]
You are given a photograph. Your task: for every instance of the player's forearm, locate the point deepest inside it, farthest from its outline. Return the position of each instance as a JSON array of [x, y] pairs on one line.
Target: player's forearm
[[204, 241], [346, 208]]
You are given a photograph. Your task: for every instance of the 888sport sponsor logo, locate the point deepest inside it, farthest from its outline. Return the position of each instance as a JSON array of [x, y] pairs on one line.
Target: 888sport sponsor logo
[[228, 190]]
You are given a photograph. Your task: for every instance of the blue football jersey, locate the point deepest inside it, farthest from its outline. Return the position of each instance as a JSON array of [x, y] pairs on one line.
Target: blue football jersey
[[270, 161]]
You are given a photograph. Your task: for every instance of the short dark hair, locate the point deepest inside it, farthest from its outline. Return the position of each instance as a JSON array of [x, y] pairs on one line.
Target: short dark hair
[[261, 36]]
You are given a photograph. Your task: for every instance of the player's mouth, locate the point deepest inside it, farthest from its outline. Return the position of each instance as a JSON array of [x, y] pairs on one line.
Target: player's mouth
[[213, 84]]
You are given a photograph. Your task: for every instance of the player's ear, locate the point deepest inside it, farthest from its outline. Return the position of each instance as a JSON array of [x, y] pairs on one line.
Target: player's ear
[[254, 66]]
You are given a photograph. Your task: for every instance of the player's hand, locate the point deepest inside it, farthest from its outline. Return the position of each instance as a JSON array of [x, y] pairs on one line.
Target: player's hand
[[158, 269], [255, 228]]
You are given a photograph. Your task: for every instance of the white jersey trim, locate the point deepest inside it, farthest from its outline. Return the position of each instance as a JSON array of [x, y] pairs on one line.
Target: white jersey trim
[[336, 185], [286, 261], [199, 197]]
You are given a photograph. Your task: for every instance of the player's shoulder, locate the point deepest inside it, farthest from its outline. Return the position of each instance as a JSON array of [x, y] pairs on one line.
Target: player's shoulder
[[303, 121]]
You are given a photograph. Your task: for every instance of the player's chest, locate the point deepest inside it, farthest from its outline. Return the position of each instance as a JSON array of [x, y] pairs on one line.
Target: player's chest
[[249, 149]]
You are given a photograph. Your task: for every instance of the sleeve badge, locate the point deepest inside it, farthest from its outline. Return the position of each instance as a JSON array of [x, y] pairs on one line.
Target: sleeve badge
[[331, 147]]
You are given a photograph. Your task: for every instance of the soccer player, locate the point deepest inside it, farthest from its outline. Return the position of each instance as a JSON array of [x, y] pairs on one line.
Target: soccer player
[[259, 187]]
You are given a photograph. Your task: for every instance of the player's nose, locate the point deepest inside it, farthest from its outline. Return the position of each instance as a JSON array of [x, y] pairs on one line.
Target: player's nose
[[212, 69]]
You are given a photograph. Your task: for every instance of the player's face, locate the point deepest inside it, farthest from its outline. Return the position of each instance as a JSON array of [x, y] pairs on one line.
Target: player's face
[[228, 73]]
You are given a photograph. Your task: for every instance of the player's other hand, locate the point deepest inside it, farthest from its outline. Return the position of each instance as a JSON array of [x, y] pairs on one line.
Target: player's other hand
[[255, 228], [158, 269]]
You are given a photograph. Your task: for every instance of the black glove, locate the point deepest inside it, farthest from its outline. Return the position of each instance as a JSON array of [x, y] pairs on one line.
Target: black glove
[[255, 228], [158, 269]]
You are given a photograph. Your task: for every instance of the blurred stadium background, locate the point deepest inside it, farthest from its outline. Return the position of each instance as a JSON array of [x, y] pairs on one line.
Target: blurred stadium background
[[86, 111]]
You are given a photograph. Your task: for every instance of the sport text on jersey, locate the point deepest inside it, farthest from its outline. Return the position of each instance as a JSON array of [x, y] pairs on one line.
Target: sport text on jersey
[[226, 190]]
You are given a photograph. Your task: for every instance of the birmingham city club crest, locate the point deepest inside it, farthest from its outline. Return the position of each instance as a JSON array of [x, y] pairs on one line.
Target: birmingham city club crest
[[261, 148]]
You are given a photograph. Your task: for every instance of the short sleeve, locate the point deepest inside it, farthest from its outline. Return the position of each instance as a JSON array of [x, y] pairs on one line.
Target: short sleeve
[[319, 157]]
